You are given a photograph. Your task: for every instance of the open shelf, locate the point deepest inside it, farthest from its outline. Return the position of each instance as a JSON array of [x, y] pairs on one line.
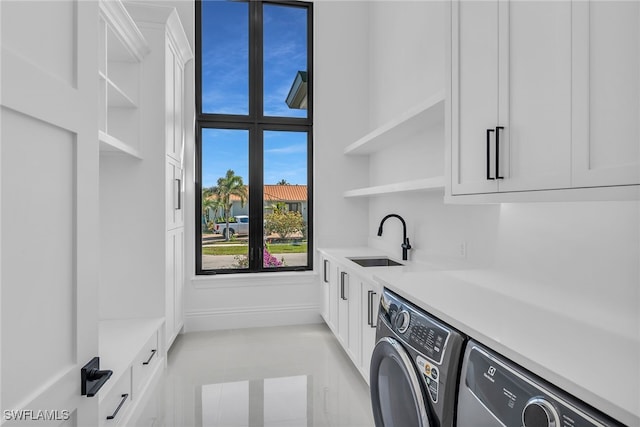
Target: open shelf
[[427, 184], [412, 121], [112, 144], [122, 48]]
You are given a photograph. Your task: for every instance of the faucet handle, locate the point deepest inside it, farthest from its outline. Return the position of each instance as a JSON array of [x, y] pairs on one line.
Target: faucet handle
[[406, 244]]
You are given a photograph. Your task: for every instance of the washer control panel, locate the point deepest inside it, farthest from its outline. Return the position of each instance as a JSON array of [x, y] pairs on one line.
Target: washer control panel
[[423, 333]]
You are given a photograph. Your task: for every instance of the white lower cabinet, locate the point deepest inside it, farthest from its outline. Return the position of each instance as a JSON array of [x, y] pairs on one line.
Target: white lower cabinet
[[343, 308], [330, 294], [116, 404], [350, 309], [369, 297], [132, 350]]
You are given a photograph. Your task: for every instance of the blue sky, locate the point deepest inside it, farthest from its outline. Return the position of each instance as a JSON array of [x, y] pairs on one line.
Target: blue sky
[[225, 88], [284, 155]]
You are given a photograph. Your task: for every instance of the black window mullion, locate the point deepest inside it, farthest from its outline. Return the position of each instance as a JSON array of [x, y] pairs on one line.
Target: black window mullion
[[198, 191], [256, 85], [256, 190]]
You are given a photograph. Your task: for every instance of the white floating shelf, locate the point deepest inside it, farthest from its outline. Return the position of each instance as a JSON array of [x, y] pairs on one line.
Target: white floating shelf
[[412, 121], [427, 184], [118, 98], [110, 144]]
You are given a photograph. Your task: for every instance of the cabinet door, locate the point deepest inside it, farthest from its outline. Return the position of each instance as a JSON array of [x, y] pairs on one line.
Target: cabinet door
[[174, 103], [325, 288], [534, 95], [343, 308], [334, 298], [354, 343], [178, 113], [173, 195], [178, 290], [606, 90], [174, 315], [474, 94], [370, 297]]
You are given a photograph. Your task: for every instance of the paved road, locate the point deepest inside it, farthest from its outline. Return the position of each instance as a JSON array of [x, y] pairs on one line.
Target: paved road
[[211, 262]]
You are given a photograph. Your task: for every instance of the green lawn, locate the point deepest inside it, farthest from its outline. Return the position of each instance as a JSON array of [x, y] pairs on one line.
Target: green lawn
[[274, 248]]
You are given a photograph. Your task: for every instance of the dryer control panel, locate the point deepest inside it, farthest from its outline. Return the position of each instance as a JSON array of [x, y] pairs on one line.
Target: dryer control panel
[[423, 333]]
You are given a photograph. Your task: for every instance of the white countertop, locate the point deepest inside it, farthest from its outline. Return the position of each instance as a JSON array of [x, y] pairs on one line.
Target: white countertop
[[583, 347]]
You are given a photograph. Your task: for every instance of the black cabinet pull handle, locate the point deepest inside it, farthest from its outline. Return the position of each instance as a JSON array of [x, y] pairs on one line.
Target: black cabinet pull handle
[[153, 353], [498, 129], [177, 199], [326, 262], [489, 154], [372, 308], [369, 307], [342, 276], [124, 399]]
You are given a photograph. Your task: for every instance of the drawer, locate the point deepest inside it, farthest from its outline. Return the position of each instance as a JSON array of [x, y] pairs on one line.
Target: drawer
[[145, 363], [114, 406]]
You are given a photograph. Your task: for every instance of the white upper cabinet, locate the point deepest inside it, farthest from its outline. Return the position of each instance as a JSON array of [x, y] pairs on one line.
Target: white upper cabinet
[[606, 87], [544, 96], [511, 88], [474, 93], [534, 104]]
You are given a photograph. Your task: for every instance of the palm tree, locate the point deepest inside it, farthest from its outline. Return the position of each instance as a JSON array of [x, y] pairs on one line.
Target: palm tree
[[230, 185], [210, 202], [282, 182]]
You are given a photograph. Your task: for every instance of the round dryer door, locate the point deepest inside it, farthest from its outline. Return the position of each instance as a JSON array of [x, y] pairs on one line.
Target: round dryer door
[[396, 394]]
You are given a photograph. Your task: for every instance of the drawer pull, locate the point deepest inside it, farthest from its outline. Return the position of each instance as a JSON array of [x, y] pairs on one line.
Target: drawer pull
[[153, 353], [124, 399]]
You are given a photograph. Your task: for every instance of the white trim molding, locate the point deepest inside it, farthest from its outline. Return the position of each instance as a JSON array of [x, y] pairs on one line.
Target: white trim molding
[[248, 317]]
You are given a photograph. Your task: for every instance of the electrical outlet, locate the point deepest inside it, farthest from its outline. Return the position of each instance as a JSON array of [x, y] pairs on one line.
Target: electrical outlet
[[463, 250]]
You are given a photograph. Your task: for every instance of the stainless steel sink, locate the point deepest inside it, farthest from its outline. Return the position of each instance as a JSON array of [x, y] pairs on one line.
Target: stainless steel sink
[[375, 262]]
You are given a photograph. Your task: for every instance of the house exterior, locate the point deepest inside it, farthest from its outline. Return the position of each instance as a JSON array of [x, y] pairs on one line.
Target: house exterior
[[293, 196]]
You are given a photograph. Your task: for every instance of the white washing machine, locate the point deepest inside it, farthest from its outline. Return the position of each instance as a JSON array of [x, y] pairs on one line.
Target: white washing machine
[[495, 392]]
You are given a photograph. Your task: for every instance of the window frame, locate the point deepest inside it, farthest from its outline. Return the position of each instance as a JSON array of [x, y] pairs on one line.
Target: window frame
[[256, 123]]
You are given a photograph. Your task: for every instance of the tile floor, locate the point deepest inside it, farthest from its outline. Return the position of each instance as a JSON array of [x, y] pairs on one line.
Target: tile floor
[[295, 376]]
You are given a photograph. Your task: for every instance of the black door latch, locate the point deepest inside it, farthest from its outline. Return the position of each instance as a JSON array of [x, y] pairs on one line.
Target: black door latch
[[92, 378]]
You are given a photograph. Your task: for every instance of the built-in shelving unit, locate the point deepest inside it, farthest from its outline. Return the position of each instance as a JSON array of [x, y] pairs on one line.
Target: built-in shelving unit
[[121, 50], [427, 184], [429, 112], [394, 132]]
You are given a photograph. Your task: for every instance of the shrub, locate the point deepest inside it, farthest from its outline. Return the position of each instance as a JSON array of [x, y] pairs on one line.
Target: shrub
[[283, 223]]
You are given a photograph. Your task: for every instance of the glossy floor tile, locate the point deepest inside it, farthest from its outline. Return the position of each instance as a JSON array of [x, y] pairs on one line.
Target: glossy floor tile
[[296, 376]]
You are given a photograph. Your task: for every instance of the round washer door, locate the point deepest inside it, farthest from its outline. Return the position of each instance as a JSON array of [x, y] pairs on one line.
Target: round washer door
[[396, 394]]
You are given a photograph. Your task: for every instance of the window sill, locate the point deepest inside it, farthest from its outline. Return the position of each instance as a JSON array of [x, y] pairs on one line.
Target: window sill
[[287, 278]]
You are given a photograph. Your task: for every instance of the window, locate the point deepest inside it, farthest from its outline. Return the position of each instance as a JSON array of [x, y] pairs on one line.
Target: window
[[253, 136]]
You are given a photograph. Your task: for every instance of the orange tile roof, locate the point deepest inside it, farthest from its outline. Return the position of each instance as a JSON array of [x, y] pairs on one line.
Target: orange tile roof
[[284, 193]]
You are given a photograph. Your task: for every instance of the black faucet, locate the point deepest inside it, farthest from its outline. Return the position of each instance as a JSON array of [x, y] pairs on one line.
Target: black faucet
[[405, 241]]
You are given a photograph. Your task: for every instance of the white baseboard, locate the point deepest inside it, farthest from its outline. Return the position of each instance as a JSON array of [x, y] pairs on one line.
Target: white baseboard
[[249, 317]]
